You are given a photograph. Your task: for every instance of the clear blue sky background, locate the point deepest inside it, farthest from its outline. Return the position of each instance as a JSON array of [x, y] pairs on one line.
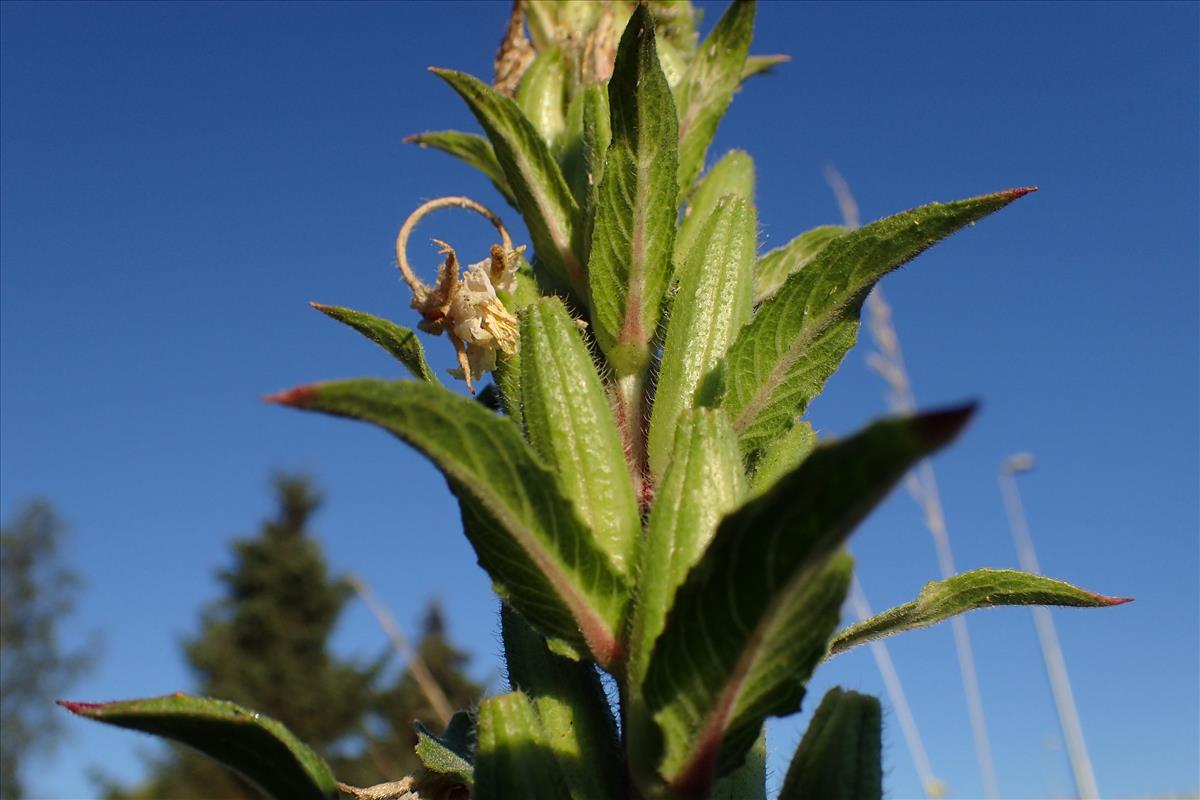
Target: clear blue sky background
[[180, 180]]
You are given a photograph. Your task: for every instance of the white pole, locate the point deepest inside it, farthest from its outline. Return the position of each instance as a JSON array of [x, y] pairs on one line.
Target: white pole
[[1056, 666]]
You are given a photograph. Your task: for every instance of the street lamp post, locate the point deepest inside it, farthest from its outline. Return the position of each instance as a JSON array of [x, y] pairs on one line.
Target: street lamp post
[[1056, 666]]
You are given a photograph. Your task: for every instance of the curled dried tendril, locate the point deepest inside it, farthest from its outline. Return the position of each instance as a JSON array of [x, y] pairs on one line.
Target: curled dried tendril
[[465, 307]]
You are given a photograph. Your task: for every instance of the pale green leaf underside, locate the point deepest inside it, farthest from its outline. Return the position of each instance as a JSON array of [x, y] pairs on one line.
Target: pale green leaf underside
[[513, 759], [762, 65], [570, 425], [749, 781], [731, 653], [256, 746], [708, 87], [525, 533], [577, 724], [775, 266], [542, 96], [733, 174], [589, 133], [979, 588], [629, 266], [711, 306], [449, 754], [799, 336], [840, 757], [401, 342], [472, 149], [533, 176]]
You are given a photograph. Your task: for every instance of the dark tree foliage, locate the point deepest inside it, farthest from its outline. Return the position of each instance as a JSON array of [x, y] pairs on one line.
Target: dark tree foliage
[[265, 644], [36, 592]]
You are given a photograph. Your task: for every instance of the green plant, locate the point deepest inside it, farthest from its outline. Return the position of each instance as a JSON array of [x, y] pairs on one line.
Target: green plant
[[637, 481]]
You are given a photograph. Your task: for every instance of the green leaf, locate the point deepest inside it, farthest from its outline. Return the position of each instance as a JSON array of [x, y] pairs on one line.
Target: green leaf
[[733, 174], [708, 87], [570, 425], [762, 65], [401, 342], [259, 748], [537, 184], [629, 267], [755, 615], [783, 455], [542, 96], [840, 757], [588, 137], [711, 306], [525, 533], [749, 781], [514, 760], [471, 148], [979, 588], [775, 267], [780, 361], [451, 753], [702, 483], [576, 720]]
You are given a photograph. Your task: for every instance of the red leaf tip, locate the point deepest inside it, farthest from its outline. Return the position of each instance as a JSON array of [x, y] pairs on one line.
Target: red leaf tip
[[298, 397], [1114, 601], [1013, 194], [78, 708]]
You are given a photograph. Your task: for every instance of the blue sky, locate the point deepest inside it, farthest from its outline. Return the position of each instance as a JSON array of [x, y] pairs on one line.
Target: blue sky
[[179, 180]]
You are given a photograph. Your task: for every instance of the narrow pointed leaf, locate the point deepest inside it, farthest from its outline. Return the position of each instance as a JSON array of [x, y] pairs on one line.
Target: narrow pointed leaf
[[733, 174], [585, 149], [762, 65], [755, 615], [577, 723], [711, 306], [780, 361], [533, 176], [979, 588], [783, 455], [708, 87], [450, 754], [256, 746], [513, 760], [703, 483], [401, 342], [841, 755], [525, 533], [471, 148], [775, 266], [542, 96], [570, 424], [629, 266]]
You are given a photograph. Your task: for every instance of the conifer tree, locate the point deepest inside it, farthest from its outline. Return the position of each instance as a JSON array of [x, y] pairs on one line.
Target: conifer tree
[[264, 644]]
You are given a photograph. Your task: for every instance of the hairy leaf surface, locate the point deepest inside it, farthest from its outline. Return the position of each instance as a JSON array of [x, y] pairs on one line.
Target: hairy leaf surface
[[712, 305], [629, 267], [775, 266], [450, 754], [841, 755], [733, 174], [708, 87], [979, 588], [542, 96], [570, 425], [783, 455], [256, 746], [754, 617], [401, 342], [527, 536], [799, 336], [577, 723], [537, 183], [513, 760]]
